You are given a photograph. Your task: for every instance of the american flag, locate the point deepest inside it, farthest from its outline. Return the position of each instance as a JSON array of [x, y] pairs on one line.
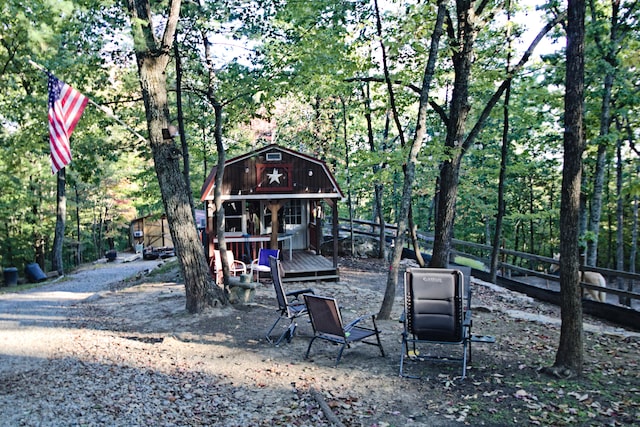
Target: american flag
[[65, 109]]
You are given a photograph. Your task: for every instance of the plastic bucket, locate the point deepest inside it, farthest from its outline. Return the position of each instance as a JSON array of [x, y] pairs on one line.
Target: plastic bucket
[[10, 276]]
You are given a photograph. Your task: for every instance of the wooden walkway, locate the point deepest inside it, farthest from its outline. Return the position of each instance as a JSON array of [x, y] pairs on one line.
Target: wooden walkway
[[307, 266]]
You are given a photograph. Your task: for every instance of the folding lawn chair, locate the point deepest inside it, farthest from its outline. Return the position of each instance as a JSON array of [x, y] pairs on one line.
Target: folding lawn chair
[[437, 311], [290, 306], [327, 325]]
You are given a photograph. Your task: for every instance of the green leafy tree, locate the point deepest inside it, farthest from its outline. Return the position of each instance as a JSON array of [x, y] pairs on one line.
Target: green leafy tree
[[153, 54]]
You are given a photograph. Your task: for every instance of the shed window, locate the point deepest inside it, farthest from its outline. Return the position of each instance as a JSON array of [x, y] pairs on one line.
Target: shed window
[[233, 217], [274, 157], [293, 212]]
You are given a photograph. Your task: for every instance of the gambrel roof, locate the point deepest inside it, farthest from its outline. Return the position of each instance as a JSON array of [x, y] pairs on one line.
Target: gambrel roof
[[274, 172]]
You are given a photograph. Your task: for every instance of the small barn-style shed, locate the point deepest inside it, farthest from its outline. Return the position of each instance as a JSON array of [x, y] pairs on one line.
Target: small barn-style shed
[[150, 232], [276, 197]]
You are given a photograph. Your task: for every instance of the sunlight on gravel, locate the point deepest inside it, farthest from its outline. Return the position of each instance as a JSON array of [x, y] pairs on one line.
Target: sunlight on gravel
[[130, 355]]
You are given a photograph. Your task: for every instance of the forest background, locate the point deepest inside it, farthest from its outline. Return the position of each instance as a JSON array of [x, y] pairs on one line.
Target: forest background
[[335, 79]]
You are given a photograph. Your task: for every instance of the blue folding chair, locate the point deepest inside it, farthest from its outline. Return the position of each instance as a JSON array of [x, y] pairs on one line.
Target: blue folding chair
[[261, 264]]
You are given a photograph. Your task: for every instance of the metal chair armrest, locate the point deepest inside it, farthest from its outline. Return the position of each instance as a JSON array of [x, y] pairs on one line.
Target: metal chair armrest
[[296, 294], [354, 322]]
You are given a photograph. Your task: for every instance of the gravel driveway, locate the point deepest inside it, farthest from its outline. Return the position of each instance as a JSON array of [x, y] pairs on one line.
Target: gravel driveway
[[85, 351], [34, 322], [90, 350]]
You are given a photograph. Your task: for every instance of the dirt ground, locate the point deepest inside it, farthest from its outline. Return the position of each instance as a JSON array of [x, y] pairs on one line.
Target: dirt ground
[[277, 386]]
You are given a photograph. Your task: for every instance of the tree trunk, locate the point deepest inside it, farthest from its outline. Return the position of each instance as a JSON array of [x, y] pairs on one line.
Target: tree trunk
[[608, 52], [274, 206], [634, 218], [569, 357], [348, 171], [382, 234], [222, 159], [620, 222], [443, 234], [217, 192], [78, 230], [153, 56], [61, 216], [38, 239], [392, 278], [413, 234], [620, 218], [456, 143], [459, 110], [378, 187], [504, 154], [186, 169]]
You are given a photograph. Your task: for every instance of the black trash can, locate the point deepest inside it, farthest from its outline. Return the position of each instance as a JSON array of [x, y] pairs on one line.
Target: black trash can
[[34, 273], [10, 276]]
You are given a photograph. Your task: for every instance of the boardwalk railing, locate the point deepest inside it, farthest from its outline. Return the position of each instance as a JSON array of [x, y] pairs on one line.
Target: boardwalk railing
[[529, 264]]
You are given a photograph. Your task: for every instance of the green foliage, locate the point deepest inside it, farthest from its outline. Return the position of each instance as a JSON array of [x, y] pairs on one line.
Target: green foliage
[[303, 71], [54, 34]]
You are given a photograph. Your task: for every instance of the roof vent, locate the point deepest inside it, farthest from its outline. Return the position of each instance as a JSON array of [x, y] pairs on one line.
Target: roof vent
[[274, 157]]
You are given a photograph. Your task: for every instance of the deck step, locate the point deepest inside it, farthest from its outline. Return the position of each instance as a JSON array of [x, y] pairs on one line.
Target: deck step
[[312, 278]]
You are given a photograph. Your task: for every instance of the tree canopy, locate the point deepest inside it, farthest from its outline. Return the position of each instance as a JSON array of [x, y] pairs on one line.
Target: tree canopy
[[339, 80]]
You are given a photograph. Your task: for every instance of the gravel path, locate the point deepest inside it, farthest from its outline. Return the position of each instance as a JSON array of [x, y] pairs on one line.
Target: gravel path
[[85, 351], [60, 367], [89, 351], [34, 322]]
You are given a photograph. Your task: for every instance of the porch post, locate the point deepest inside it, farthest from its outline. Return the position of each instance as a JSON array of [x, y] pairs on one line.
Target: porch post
[[335, 232], [274, 207]]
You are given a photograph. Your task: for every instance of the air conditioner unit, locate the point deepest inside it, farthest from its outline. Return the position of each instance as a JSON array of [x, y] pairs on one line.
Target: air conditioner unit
[[138, 233]]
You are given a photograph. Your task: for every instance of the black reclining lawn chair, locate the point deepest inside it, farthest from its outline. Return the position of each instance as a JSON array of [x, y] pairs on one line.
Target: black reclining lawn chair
[[437, 311], [327, 325], [290, 306]]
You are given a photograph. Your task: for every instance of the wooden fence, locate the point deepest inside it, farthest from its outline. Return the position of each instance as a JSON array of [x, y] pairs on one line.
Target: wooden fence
[[521, 264]]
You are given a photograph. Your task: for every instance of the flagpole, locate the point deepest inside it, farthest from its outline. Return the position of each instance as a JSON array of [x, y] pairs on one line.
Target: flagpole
[[117, 119], [100, 107]]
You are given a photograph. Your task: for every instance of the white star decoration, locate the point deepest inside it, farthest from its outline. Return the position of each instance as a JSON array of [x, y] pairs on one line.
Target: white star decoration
[[274, 176]]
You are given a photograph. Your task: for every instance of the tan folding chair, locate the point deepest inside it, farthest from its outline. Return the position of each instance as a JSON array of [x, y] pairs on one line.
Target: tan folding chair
[[326, 321]]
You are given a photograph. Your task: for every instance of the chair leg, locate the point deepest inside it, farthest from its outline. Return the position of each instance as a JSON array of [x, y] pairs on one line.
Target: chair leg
[[309, 348], [405, 353], [287, 334], [404, 350], [340, 353], [464, 359], [292, 331], [281, 337], [466, 350], [268, 336], [379, 342]]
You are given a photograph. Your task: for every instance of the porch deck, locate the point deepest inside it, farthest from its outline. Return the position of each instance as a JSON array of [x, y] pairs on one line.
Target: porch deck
[[306, 266]]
